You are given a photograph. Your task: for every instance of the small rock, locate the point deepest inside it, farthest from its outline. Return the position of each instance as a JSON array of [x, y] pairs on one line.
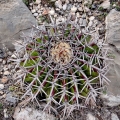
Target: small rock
[[3, 96], [73, 9], [33, 11], [93, 6], [69, 7], [58, 4], [1, 53], [4, 62], [1, 92], [5, 113], [4, 80], [67, 1], [114, 116], [90, 23], [79, 0], [87, 9], [91, 18], [52, 11], [31, 4], [55, 15], [6, 73], [90, 117], [84, 16], [114, 5], [77, 14], [73, 17], [10, 98], [64, 6], [80, 21], [13, 56], [105, 4], [37, 1], [39, 11], [45, 12], [80, 9], [35, 14], [0, 60], [84, 22], [111, 100], [1, 86], [88, 2]]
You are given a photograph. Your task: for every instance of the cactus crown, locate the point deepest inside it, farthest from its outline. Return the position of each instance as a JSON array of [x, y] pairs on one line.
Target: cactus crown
[[63, 64]]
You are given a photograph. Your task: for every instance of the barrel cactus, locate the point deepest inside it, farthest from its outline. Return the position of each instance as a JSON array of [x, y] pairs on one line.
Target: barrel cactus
[[63, 65]]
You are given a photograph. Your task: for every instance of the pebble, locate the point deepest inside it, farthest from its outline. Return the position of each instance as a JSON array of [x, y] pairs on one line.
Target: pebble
[[1, 92], [45, 12], [33, 11], [93, 6], [55, 15], [64, 6], [1, 86], [90, 117], [6, 73], [58, 4], [79, 0], [5, 113], [1, 53], [69, 7], [39, 11], [84, 22], [90, 23], [73, 9], [67, 1], [0, 60], [3, 96], [38, 1], [80, 9], [87, 9], [105, 4], [4, 80], [52, 11], [31, 4], [77, 14], [114, 116], [13, 56], [35, 14], [10, 98], [80, 21], [4, 62], [91, 18]]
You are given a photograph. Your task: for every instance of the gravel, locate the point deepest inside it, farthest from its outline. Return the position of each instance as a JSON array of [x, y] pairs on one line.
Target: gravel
[[88, 14]]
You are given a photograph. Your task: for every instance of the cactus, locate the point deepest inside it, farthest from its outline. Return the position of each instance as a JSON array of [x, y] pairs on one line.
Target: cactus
[[63, 65]]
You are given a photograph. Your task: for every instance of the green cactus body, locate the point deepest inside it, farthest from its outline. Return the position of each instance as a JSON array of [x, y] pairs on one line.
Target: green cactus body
[[62, 64]]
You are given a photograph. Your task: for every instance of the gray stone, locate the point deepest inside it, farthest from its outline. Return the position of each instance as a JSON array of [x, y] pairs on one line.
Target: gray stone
[[35, 14], [15, 18], [111, 100], [1, 86], [114, 116], [90, 117], [80, 9], [10, 98], [64, 6], [113, 39], [69, 7], [105, 4]]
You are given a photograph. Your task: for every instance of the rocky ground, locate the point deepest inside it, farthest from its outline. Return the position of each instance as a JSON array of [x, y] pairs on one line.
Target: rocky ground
[[91, 15]]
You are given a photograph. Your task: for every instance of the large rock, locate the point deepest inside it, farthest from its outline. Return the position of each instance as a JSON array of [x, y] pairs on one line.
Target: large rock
[[15, 18], [113, 39]]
